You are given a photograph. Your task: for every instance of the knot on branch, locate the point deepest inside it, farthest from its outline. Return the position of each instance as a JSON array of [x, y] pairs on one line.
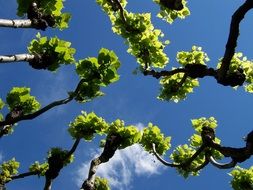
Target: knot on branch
[[55, 163], [87, 185], [172, 4], [153, 73], [199, 71], [208, 135], [236, 78], [39, 20], [16, 112], [43, 61]]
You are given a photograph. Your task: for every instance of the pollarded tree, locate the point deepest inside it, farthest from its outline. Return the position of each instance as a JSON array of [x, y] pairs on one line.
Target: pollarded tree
[[146, 45]]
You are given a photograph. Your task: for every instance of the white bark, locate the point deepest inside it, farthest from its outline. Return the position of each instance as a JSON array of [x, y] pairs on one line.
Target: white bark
[[16, 58], [21, 23]]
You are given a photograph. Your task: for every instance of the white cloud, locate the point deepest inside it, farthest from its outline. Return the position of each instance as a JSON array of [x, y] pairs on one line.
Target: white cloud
[[123, 167], [1, 157]]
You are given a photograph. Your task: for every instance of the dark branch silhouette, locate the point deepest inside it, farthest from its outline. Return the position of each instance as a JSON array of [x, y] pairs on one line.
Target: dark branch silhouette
[[232, 38], [237, 155]]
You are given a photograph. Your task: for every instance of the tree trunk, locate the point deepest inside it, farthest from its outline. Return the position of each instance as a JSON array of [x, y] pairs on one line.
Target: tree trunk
[[21, 23]]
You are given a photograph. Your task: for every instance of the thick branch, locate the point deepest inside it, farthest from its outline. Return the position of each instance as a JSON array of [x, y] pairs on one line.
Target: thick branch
[[164, 73], [111, 145], [48, 184], [16, 58], [233, 36], [21, 23], [56, 163]]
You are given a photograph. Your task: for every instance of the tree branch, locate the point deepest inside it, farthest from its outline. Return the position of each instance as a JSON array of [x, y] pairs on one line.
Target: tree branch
[[41, 111], [233, 36], [164, 162], [111, 145], [17, 23], [163, 73], [73, 149], [16, 58], [48, 184], [23, 175], [222, 165], [182, 165]]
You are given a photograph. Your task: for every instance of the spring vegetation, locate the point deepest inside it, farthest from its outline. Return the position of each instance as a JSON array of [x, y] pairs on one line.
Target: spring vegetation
[[145, 42]]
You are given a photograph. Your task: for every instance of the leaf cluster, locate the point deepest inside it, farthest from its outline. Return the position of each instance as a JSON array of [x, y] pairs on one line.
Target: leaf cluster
[[52, 52], [19, 99], [183, 152], [95, 73], [169, 15], [39, 168], [152, 135], [129, 134], [101, 184], [242, 178], [61, 154], [242, 64], [52, 8], [87, 125], [176, 87], [141, 36], [7, 170]]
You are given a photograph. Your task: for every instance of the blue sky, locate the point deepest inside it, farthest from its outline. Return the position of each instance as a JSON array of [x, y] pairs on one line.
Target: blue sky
[[132, 98]]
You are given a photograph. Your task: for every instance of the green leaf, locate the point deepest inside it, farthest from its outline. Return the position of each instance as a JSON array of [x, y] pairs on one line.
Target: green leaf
[[173, 90], [53, 52], [39, 168], [242, 178], [7, 170], [87, 125], [60, 154], [152, 135], [19, 98], [170, 15], [52, 8], [101, 184]]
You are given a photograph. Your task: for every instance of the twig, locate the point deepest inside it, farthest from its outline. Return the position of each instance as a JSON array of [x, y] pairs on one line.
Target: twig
[[73, 149], [164, 162], [23, 175], [182, 165], [222, 165], [41, 111]]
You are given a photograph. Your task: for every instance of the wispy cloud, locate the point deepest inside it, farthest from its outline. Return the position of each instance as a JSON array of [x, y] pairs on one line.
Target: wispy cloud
[[1, 157], [123, 167]]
